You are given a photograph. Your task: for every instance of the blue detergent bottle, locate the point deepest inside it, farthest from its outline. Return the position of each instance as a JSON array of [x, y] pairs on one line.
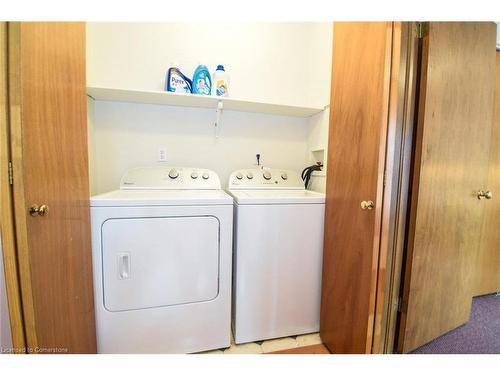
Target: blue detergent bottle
[[177, 82], [202, 83]]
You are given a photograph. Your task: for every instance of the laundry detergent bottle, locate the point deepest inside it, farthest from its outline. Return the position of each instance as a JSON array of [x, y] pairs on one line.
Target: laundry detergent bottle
[[202, 83], [221, 82], [177, 82]]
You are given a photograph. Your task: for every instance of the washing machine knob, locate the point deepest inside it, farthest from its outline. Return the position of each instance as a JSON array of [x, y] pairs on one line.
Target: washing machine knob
[[267, 175], [284, 176], [205, 176], [173, 173], [249, 175], [194, 175], [239, 176]]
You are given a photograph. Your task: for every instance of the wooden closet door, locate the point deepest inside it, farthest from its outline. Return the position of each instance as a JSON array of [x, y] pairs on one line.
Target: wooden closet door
[[488, 265], [358, 126], [451, 166], [49, 150]]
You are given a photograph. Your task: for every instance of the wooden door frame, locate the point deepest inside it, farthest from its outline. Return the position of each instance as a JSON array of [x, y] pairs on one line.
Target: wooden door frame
[[7, 223], [385, 150], [399, 153]]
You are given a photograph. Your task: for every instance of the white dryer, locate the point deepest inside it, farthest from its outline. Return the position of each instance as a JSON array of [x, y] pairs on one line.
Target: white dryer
[[278, 248], [162, 262]]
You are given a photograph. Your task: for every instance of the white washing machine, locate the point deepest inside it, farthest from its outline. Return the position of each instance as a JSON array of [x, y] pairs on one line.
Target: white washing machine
[[277, 251], [162, 248]]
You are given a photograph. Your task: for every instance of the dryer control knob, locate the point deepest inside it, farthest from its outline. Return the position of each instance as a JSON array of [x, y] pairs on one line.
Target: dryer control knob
[[284, 176], [249, 175], [205, 176], [194, 175], [267, 175], [173, 173], [239, 176]]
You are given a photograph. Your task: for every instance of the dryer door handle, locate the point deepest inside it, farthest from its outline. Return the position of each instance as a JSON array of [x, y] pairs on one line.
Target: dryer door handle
[[124, 266]]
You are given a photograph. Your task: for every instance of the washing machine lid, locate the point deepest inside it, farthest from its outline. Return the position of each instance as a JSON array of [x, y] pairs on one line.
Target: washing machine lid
[[128, 198], [242, 197]]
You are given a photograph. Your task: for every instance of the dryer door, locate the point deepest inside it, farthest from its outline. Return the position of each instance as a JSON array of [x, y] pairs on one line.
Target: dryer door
[[154, 262]]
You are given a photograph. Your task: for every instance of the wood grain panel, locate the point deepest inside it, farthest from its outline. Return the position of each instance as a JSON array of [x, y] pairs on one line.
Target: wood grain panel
[[451, 165], [403, 113], [398, 158], [6, 203], [488, 266], [51, 163], [15, 117], [358, 122]]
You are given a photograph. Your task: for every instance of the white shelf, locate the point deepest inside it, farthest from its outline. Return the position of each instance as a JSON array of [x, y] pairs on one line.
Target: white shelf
[[197, 101]]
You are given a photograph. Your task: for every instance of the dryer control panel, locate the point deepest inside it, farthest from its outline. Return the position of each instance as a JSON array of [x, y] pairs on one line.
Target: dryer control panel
[[265, 178], [170, 178]]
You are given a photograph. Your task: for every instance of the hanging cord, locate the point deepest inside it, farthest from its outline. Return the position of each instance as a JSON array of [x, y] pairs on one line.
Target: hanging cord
[[307, 172]]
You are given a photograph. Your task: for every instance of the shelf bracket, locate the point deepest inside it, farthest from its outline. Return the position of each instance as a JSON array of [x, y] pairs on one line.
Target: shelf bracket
[[220, 107]]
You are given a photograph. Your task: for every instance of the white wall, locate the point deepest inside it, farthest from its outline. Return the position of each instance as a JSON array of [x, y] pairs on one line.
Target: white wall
[[318, 140], [276, 62], [130, 135], [285, 63], [5, 334], [321, 52]]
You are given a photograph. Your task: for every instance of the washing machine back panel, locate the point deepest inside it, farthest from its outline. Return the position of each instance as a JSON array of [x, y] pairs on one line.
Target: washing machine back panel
[[265, 178], [155, 262]]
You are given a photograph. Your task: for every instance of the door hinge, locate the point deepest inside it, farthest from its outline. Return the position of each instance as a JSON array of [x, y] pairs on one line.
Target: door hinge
[[399, 304], [421, 29], [11, 174]]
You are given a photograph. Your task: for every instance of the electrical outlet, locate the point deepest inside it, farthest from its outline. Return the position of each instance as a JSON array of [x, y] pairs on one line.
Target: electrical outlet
[[162, 154]]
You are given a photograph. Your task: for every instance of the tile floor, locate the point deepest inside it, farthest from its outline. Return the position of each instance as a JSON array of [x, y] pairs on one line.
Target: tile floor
[[267, 346]]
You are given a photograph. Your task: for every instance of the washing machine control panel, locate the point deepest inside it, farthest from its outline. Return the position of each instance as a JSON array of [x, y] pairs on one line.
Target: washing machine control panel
[[265, 178], [173, 178]]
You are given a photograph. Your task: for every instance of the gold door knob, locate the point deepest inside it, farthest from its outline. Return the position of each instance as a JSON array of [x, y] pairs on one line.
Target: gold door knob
[[367, 205], [39, 210], [484, 194]]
